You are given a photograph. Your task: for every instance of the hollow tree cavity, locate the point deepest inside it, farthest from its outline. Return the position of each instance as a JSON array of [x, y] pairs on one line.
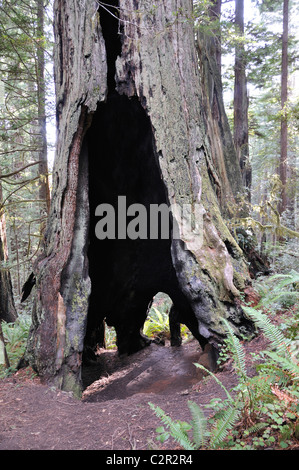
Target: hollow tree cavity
[[130, 125]]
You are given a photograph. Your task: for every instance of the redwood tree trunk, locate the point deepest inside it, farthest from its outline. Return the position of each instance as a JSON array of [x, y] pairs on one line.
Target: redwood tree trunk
[[241, 100], [130, 125], [223, 164]]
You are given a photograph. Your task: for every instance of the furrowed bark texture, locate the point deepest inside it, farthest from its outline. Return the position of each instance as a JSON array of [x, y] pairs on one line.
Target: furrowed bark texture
[[154, 82], [160, 67], [223, 165], [62, 298]]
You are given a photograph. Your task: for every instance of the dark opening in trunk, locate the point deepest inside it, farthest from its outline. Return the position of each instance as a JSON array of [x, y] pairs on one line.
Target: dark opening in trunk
[[126, 272]]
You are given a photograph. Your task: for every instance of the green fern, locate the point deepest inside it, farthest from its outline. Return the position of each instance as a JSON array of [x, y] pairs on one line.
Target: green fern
[[158, 322], [277, 288], [271, 331], [260, 385], [287, 364], [229, 397], [257, 427], [224, 425], [199, 425], [237, 351], [176, 429], [252, 397]]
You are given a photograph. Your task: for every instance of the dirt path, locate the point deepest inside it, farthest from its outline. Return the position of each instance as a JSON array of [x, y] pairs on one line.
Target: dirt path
[[114, 413]]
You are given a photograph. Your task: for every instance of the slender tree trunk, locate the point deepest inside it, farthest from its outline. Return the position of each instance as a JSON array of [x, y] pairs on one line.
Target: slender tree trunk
[[3, 349], [44, 191], [241, 100], [284, 98], [130, 126], [215, 15], [7, 306]]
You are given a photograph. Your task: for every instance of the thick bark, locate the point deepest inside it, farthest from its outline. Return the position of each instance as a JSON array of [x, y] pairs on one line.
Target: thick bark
[[129, 111], [223, 165], [241, 100]]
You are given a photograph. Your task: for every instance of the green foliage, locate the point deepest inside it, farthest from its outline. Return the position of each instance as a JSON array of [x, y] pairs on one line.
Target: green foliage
[[177, 429], [21, 43], [110, 337], [15, 336], [199, 425], [278, 290], [260, 411], [157, 323]]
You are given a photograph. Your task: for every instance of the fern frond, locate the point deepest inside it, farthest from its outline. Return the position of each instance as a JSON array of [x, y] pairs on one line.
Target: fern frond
[[272, 289], [261, 385], [200, 366], [224, 425], [286, 279], [237, 351], [199, 424], [174, 427], [274, 335], [257, 427], [270, 299], [285, 363]]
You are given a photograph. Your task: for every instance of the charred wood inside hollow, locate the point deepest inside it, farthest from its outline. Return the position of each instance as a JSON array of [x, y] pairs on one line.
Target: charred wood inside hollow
[[126, 273]]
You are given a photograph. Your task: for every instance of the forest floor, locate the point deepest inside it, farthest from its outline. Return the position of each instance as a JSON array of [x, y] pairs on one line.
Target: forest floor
[[113, 413]]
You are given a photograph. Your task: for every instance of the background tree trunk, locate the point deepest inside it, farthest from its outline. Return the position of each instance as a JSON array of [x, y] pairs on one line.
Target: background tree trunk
[[7, 306], [241, 100], [44, 191], [223, 164], [129, 110], [284, 99]]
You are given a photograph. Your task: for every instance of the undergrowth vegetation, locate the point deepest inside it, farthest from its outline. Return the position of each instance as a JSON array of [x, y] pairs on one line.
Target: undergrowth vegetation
[[15, 337], [261, 411]]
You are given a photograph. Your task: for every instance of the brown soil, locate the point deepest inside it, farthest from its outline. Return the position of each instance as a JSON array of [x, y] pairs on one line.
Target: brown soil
[[113, 413]]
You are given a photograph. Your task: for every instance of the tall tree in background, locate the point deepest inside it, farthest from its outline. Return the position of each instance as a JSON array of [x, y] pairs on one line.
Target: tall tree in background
[[241, 99], [23, 144], [224, 168], [284, 98], [215, 15], [44, 191], [7, 306]]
